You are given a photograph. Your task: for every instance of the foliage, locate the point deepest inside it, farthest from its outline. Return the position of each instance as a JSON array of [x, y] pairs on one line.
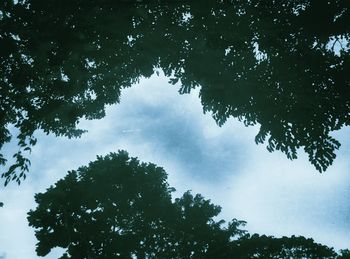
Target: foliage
[[257, 246], [344, 254], [118, 207], [263, 62]]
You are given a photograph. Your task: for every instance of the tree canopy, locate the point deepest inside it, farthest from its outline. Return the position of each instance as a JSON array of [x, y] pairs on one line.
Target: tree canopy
[[119, 207], [263, 62]]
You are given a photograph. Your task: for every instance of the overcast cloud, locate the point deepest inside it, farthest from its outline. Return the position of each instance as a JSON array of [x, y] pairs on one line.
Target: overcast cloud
[[153, 122]]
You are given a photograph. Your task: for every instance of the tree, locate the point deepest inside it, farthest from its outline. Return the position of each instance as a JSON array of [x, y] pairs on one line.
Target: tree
[[262, 62], [344, 254], [119, 207], [256, 246]]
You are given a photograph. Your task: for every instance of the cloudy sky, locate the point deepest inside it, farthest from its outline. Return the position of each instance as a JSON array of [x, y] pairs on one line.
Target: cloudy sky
[[153, 122]]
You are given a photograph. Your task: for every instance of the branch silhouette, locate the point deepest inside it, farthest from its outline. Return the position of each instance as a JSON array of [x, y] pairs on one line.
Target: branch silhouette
[[261, 62], [119, 207]]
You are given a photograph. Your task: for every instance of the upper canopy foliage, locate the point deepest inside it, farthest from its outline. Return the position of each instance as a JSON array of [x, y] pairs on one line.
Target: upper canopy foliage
[[282, 65], [118, 207]]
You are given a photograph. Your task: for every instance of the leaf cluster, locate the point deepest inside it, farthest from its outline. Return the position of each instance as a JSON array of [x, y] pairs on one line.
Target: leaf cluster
[[262, 62], [118, 207]]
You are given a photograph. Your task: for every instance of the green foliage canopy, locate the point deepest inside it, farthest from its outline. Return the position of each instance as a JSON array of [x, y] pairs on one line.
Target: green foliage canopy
[[118, 207], [263, 62]]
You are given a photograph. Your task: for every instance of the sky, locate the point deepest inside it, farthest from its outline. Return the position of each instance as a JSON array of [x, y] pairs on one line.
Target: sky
[[153, 122]]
